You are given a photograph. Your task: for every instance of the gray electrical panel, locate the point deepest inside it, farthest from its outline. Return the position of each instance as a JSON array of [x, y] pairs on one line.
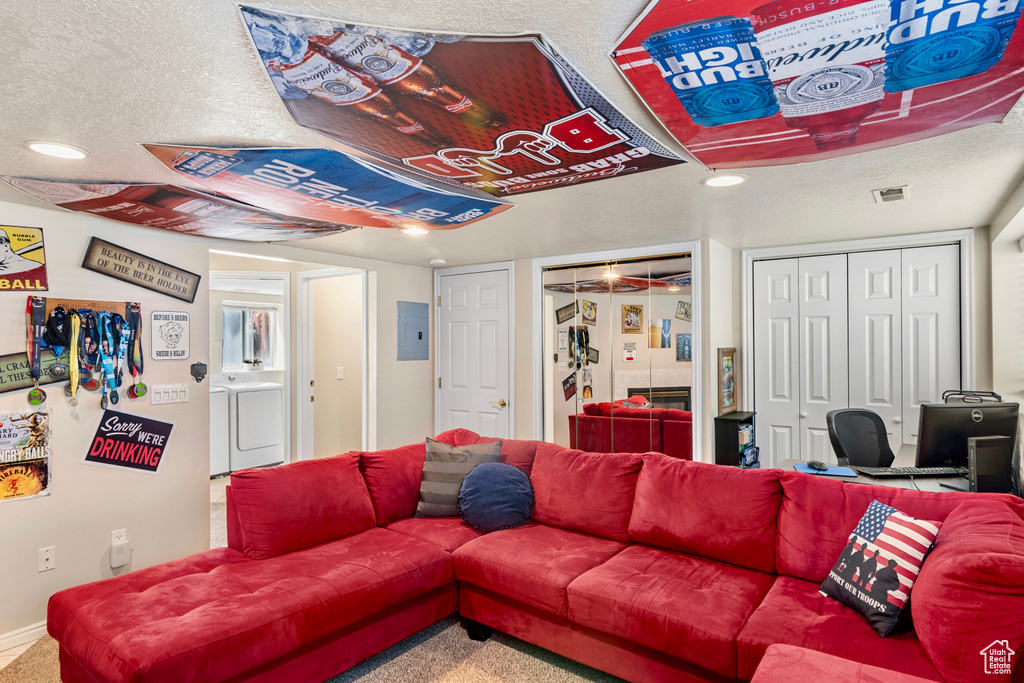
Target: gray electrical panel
[[413, 331]]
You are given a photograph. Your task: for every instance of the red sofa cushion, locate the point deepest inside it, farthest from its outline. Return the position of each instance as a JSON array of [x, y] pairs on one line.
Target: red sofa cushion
[[532, 564], [590, 492], [970, 592], [393, 479], [790, 664], [591, 409], [678, 415], [516, 452], [677, 439], [595, 434], [448, 533], [216, 615], [795, 613], [723, 513], [301, 504], [685, 606], [818, 515]]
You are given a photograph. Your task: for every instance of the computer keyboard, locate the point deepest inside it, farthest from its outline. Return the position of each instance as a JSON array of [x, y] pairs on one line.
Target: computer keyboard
[[889, 472]]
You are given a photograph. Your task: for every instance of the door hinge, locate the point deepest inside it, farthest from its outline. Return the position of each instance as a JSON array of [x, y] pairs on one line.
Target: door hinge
[[311, 382], [312, 399], [438, 299], [438, 382]]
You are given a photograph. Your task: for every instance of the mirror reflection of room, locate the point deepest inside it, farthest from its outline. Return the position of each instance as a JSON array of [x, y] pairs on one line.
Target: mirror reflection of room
[[620, 358]]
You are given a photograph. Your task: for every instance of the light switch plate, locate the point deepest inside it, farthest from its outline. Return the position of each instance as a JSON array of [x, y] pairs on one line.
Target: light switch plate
[[168, 393]]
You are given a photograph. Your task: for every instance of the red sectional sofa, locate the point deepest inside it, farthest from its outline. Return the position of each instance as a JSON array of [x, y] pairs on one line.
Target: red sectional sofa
[[621, 428], [646, 566]]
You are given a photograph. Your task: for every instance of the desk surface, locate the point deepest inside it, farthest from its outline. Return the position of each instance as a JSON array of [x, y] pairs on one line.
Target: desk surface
[[922, 483]]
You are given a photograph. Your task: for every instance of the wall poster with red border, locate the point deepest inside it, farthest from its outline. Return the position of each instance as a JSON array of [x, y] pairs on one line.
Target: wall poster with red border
[[742, 83], [22, 259], [501, 114]]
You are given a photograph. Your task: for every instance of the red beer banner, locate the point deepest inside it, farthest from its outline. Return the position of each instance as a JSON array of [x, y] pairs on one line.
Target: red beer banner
[[746, 83], [501, 114]]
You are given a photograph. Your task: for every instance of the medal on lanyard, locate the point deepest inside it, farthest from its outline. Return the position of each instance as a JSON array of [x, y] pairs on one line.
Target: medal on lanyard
[[55, 336], [108, 351], [34, 314], [88, 344], [123, 336], [137, 390], [76, 328]]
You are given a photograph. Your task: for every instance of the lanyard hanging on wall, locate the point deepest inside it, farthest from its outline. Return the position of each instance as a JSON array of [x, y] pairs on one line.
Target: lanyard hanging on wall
[[76, 330], [35, 314], [55, 337], [134, 315], [108, 356]]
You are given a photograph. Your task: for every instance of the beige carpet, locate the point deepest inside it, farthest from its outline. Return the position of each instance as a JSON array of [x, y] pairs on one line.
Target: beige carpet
[[442, 653]]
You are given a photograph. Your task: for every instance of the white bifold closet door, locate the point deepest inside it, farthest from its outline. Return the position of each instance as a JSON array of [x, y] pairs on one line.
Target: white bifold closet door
[[876, 340], [800, 354], [931, 329]]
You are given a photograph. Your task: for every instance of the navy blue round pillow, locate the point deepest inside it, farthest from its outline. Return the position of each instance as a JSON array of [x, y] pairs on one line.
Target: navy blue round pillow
[[495, 496]]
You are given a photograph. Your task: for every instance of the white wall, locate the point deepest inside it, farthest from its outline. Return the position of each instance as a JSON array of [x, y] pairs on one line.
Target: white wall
[[720, 325], [167, 516], [337, 341]]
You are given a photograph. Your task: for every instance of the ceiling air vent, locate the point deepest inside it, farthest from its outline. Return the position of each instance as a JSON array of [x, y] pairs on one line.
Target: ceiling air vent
[[891, 194]]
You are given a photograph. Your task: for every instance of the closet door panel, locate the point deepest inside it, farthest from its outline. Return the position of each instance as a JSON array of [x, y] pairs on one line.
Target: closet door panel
[[876, 363], [777, 360], [824, 369], [931, 329]]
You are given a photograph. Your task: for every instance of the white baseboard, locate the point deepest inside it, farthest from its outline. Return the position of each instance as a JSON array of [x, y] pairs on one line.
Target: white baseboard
[[22, 635]]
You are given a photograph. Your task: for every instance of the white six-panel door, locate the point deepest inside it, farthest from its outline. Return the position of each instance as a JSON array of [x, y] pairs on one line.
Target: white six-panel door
[[473, 350], [876, 342], [931, 329], [824, 358], [777, 359]]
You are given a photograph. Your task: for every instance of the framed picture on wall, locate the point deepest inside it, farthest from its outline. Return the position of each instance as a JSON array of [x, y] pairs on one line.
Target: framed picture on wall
[[728, 381]]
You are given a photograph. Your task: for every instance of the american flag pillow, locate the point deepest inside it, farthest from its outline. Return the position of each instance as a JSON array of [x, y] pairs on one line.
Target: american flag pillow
[[878, 567]]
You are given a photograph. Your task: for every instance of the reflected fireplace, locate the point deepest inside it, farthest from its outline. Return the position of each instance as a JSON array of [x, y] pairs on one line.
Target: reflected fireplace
[[664, 397]]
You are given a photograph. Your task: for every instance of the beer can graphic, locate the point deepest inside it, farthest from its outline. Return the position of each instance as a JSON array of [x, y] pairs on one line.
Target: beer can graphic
[[715, 69], [944, 40], [826, 59]]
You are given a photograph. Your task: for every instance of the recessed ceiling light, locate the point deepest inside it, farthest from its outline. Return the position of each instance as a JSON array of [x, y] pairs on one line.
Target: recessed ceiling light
[[55, 149], [673, 289], [609, 275], [724, 179], [438, 262], [414, 231]]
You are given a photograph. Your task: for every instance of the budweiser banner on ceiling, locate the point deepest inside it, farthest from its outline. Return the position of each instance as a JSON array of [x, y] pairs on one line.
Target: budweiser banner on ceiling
[[324, 185], [502, 114], [175, 208], [744, 83]]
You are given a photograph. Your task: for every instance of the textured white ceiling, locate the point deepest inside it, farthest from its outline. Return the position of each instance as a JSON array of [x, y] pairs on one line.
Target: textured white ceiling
[[106, 75]]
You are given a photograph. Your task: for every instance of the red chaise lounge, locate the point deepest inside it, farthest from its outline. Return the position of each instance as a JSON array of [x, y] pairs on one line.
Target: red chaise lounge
[[649, 567]]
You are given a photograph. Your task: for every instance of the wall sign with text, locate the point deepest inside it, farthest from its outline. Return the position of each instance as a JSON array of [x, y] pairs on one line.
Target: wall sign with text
[[138, 269], [170, 336], [22, 259], [129, 442], [24, 454]]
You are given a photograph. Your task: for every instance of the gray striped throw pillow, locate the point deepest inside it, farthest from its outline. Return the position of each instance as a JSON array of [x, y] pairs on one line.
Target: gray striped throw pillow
[[443, 471]]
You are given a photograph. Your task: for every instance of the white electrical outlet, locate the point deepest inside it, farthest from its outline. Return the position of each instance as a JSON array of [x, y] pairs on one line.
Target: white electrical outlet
[[341, 373], [47, 558], [119, 536]]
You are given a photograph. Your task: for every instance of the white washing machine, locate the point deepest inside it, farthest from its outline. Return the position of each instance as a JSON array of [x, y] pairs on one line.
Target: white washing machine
[[220, 444], [255, 424]]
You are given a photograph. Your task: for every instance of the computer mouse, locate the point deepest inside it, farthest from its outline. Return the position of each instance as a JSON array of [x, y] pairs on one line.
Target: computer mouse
[[817, 465]]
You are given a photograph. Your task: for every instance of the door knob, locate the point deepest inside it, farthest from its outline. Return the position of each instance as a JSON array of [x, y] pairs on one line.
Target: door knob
[[500, 404], [803, 414], [897, 420]]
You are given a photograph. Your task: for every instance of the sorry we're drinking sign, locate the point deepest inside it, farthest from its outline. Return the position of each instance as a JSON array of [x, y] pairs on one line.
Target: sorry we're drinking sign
[[128, 441]]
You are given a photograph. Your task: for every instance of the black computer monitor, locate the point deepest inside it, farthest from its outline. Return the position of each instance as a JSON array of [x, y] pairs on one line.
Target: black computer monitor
[[945, 427]]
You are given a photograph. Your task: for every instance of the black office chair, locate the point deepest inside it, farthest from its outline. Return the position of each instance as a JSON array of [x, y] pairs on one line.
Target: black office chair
[[858, 438]]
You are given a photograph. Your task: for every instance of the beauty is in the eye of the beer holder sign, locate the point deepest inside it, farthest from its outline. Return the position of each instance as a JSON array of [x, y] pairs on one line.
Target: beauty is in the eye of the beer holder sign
[[138, 269], [14, 367]]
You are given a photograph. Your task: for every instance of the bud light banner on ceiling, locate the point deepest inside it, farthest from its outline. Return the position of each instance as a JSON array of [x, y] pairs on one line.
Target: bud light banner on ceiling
[[321, 184], [743, 83], [175, 208], [501, 114]]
